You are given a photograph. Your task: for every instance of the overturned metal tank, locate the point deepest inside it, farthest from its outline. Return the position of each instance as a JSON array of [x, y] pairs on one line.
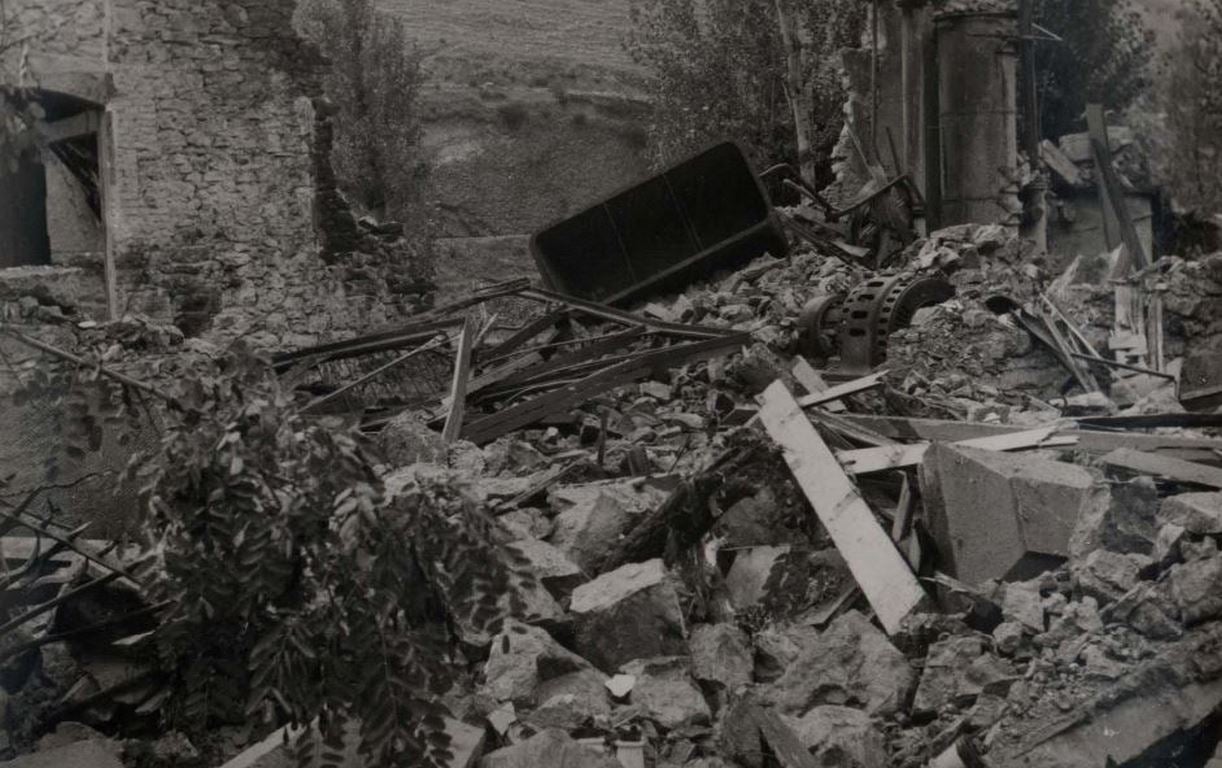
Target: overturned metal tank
[[707, 213]]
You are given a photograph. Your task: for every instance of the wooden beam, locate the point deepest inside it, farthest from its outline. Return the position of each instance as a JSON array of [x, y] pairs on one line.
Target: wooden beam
[[1061, 165], [574, 393], [868, 460], [106, 186], [883, 575], [436, 342], [458, 388], [808, 377], [75, 127], [939, 430], [850, 429], [832, 394], [606, 312], [1111, 192], [1164, 466], [524, 334]]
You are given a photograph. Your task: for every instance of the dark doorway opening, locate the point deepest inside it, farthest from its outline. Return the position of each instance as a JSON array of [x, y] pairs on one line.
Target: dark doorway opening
[[50, 198], [23, 214]]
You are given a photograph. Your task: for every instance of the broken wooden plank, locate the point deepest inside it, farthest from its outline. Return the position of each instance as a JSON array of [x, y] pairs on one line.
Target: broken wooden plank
[[1065, 349], [1155, 350], [563, 363], [606, 312], [524, 334], [889, 585], [1164, 466], [787, 748], [458, 387], [574, 393], [1061, 165], [1110, 188], [1124, 366], [901, 522], [944, 431], [1156, 421], [436, 342], [868, 460], [808, 377], [850, 429], [831, 394], [416, 333]]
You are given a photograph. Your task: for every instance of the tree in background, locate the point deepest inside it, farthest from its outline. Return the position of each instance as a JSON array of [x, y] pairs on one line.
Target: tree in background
[[1105, 58], [1189, 155], [374, 81], [721, 68]]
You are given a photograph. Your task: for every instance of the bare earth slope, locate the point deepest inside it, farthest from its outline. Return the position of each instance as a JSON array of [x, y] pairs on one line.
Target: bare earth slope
[[531, 113], [528, 41]]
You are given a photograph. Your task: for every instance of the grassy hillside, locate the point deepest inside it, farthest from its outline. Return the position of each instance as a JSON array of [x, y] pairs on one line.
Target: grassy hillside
[[572, 44]]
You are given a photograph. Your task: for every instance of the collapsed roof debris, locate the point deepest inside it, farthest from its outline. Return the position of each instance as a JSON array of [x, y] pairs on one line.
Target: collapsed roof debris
[[717, 522], [792, 486]]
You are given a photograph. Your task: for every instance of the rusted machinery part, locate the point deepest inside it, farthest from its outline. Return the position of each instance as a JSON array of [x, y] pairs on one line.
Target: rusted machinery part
[[817, 326], [880, 306]]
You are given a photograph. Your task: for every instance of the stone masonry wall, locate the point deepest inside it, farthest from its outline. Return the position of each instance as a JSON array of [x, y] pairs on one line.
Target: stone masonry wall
[[212, 214]]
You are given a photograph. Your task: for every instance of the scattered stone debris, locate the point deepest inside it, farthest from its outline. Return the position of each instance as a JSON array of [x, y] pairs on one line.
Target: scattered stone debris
[[745, 553]]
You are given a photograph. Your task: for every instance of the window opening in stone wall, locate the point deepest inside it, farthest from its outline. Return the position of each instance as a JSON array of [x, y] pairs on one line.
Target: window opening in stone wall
[[50, 202]]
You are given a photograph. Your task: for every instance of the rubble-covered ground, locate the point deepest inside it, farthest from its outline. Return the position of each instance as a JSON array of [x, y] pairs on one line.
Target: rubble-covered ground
[[1074, 604]]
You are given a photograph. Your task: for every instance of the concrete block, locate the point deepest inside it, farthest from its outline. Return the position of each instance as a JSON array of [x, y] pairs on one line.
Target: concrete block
[[630, 613], [1001, 515]]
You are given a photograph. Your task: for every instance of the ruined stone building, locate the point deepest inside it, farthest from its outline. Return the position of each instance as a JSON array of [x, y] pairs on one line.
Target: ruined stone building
[[185, 176]]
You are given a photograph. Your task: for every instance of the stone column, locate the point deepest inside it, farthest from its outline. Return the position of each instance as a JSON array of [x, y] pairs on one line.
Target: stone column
[[977, 66]]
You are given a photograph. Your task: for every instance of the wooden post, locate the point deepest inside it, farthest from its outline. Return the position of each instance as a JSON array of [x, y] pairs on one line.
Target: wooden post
[[106, 181]]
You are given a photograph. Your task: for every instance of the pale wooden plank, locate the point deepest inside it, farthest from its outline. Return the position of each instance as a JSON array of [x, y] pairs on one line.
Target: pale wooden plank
[[458, 388], [866, 460], [885, 579], [833, 394], [808, 377], [1164, 466]]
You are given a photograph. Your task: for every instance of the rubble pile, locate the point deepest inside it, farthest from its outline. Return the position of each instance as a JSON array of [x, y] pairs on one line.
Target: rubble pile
[[742, 563]]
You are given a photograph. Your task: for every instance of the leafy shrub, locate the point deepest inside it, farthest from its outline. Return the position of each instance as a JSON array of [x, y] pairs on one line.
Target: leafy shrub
[[1189, 151], [303, 590], [1105, 58], [374, 80]]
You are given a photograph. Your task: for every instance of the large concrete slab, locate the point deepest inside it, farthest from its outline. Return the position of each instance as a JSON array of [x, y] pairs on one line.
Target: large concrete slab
[[1003, 516]]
